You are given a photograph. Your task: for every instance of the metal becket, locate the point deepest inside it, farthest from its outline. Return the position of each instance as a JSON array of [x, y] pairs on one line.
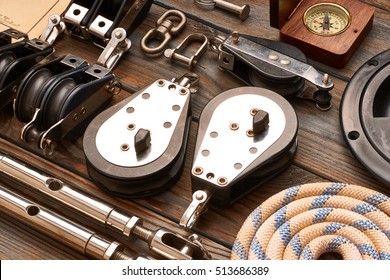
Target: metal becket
[[114, 49], [163, 32], [198, 206], [54, 28], [176, 54]]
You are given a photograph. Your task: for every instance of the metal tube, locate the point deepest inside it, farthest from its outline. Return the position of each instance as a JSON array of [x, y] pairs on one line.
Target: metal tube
[[59, 228], [63, 193]]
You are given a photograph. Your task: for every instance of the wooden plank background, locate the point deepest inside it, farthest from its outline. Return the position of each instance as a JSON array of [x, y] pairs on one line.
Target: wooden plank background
[[322, 153]]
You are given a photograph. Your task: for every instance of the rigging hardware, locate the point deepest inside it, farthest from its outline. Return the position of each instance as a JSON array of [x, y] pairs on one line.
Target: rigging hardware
[[245, 137], [163, 242], [272, 65]]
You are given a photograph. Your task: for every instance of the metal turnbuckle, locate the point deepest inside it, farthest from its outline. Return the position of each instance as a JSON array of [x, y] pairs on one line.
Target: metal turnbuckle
[[163, 32], [163, 242], [72, 234], [176, 54]]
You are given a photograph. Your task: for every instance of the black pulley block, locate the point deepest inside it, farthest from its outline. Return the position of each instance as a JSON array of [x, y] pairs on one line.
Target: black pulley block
[[273, 65], [365, 115], [57, 99], [136, 148], [246, 136], [15, 60], [35, 87]]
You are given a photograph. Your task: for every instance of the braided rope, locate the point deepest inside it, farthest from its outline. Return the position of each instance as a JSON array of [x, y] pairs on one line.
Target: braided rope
[[303, 222]]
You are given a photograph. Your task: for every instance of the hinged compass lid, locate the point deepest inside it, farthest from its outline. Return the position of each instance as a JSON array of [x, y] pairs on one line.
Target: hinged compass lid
[[280, 11]]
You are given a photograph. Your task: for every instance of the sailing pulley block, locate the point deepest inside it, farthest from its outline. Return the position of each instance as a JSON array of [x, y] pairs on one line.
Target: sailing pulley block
[[136, 148]]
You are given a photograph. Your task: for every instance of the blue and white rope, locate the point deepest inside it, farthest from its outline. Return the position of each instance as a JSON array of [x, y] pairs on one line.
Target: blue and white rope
[[303, 222]]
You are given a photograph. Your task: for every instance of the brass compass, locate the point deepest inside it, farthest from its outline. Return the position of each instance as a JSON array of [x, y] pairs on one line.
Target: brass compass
[[327, 19]]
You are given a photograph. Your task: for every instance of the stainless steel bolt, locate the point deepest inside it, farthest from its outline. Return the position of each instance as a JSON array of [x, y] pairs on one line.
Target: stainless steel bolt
[[241, 11]]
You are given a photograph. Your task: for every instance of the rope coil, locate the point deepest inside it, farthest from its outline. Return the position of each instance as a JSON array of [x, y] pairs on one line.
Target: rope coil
[[304, 222]]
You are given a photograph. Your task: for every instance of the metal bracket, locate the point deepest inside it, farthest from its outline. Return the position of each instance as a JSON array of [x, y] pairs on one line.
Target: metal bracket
[[54, 28], [7, 36], [198, 205], [176, 54], [115, 48]]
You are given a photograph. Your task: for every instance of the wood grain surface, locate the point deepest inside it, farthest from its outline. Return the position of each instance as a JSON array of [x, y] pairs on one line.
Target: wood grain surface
[[322, 153]]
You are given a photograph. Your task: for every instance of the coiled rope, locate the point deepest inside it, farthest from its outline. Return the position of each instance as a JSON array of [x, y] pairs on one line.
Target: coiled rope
[[304, 222]]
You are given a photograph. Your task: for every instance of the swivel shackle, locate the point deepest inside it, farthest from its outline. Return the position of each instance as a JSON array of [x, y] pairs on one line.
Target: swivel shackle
[[168, 25]]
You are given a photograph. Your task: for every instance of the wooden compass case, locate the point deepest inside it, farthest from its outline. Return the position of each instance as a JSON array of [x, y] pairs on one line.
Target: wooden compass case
[[337, 50]]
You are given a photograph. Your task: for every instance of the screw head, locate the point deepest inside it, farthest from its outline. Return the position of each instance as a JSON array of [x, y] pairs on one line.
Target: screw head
[[245, 10]]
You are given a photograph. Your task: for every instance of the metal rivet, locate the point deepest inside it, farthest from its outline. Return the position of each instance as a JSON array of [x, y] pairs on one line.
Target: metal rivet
[[285, 61], [254, 111], [234, 126], [222, 181], [273, 57], [125, 147], [198, 170], [183, 91], [199, 196], [249, 133]]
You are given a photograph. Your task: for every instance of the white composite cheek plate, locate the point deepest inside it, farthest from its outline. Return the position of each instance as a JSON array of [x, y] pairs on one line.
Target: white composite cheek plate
[[224, 152], [157, 109]]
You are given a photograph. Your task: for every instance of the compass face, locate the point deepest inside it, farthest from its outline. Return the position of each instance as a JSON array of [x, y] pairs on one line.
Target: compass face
[[326, 19]]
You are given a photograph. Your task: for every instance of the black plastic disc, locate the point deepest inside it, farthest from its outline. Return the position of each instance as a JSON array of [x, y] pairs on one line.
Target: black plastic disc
[[365, 115]]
